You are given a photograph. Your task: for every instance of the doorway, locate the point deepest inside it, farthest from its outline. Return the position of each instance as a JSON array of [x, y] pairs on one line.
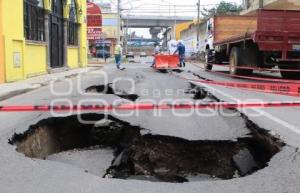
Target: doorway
[[57, 35]]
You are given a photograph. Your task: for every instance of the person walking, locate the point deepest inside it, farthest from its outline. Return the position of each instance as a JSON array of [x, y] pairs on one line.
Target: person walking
[[156, 51], [118, 56], [181, 52]]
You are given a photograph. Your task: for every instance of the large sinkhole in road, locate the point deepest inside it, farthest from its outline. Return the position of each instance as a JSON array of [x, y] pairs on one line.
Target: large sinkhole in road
[[146, 157]]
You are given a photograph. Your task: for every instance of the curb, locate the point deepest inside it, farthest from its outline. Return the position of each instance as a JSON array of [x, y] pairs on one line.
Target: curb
[[23, 87]]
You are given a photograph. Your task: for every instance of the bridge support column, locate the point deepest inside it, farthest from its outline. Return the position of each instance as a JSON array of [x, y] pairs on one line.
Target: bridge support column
[[154, 31]]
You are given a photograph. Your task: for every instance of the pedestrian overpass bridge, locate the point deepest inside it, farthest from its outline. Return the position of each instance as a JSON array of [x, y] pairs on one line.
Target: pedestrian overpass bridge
[[155, 23], [146, 21]]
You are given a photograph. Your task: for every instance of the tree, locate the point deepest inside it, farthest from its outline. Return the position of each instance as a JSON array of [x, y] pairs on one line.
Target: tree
[[222, 8]]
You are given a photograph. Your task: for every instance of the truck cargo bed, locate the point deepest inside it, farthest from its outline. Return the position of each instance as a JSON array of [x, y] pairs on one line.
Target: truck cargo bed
[[231, 27], [271, 38], [272, 30]]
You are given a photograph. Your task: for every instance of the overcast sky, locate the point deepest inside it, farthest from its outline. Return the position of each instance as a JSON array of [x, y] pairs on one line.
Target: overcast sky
[[163, 7]]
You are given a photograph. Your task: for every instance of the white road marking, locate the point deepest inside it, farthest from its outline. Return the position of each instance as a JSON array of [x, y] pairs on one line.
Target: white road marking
[[268, 115]]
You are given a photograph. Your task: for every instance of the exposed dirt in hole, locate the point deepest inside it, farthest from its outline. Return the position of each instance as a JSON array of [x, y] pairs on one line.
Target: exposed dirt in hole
[[198, 92], [151, 157], [177, 70], [172, 159], [103, 89], [59, 134], [107, 89], [197, 75]]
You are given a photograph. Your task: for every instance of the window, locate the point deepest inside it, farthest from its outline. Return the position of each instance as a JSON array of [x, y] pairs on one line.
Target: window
[[34, 20], [73, 26]]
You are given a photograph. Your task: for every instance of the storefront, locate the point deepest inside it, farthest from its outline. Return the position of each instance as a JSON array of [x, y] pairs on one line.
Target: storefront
[[94, 24], [102, 27], [42, 36]]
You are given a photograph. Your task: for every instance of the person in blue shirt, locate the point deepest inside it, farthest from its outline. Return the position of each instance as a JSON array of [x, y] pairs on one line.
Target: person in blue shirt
[[181, 52]]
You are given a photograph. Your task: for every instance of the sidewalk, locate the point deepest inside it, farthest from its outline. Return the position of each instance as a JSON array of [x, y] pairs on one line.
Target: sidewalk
[[8, 90], [93, 62]]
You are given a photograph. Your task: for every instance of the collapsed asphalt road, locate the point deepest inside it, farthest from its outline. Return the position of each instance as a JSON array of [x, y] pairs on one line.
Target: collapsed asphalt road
[[187, 136], [165, 158]]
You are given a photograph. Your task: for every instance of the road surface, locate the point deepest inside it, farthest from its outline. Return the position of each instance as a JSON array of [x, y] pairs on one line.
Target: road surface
[[22, 174]]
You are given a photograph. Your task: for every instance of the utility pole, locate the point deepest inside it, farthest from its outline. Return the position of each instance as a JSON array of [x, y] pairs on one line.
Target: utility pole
[[175, 22], [198, 25], [261, 4], [119, 23], [126, 35]]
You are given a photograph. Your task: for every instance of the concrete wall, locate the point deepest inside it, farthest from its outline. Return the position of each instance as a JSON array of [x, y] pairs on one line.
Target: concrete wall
[[253, 5], [109, 26], [189, 36]]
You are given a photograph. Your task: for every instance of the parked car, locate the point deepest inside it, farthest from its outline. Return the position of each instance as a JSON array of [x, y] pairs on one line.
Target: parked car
[[143, 54], [130, 55], [103, 54], [93, 52]]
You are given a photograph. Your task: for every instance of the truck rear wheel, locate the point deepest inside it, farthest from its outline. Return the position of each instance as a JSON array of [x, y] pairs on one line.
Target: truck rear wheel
[[207, 65], [237, 55], [290, 75]]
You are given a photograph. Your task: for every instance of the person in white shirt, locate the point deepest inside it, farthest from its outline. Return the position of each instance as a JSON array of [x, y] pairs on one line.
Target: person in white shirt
[[156, 51]]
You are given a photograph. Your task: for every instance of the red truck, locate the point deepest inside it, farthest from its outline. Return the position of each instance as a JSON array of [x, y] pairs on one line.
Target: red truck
[[271, 38]]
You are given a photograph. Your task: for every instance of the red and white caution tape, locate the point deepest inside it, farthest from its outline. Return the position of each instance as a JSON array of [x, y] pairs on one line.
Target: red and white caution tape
[[280, 88], [258, 68], [252, 77], [289, 89], [149, 106]]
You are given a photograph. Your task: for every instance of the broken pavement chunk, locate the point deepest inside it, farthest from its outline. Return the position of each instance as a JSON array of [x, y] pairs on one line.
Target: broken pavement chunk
[[244, 161]]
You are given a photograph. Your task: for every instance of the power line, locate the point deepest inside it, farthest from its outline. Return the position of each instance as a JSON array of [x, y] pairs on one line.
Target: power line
[[184, 8], [203, 5]]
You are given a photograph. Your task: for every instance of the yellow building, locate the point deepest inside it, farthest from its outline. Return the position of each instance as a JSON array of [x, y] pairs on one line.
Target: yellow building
[[42, 36], [180, 27], [2, 78]]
